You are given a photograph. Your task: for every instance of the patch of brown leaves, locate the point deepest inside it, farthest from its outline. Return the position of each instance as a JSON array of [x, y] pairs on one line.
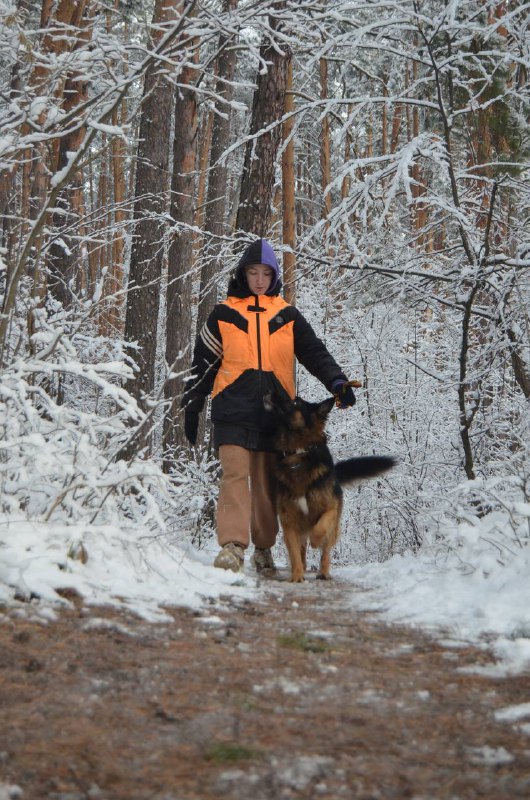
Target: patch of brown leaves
[[293, 696]]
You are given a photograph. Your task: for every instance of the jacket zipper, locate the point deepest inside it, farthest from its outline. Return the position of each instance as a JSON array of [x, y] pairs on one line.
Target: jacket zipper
[[258, 340], [258, 337]]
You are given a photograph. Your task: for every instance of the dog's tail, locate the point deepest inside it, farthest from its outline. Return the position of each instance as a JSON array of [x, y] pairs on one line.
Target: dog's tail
[[355, 469]]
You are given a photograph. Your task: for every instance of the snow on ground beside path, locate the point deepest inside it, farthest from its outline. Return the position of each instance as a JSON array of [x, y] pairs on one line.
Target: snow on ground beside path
[[123, 567], [471, 592], [465, 593]]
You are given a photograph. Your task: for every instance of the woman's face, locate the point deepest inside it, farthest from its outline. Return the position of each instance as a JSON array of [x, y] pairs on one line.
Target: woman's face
[[259, 278]]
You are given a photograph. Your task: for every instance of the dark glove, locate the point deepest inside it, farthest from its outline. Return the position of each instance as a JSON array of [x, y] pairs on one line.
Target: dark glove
[[344, 394], [191, 425]]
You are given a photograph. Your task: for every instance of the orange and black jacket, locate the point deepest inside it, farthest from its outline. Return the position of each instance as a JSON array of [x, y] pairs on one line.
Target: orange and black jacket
[[246, 348]]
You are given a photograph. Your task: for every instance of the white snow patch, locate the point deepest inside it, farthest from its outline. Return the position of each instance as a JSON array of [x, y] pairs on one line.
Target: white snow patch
[[10, 791], [465, 595], [303, 770], [124, 569], [512, 713], [489, 756], [97, 623]]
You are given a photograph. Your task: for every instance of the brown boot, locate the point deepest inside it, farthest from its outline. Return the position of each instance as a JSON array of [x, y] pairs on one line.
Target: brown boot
[[263, 561], [231, 556]]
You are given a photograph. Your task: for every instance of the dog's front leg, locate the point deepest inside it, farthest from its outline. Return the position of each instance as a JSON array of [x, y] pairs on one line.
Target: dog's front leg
[[303, 553], [325, 526], [293, 544], [324, 535], [325, 563]]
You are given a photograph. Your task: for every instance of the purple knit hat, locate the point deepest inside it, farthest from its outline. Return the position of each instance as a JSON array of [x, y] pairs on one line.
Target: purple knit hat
[[259, 252]]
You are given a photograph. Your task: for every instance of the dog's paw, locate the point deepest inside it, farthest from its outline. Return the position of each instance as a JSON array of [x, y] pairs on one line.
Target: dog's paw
[[297, 578], [322, 577]]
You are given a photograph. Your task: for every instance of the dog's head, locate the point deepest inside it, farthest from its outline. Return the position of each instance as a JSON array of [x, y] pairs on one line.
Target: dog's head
[[299, 416]]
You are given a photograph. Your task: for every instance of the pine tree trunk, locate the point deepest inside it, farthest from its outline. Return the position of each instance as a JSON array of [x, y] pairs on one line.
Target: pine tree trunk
[[289, 199], [180, 260], [215, 214], [8, 176], [255, 203], [150, 207], [114, 312], [206, 128], [63, 257], [41, 162], [112, 305]]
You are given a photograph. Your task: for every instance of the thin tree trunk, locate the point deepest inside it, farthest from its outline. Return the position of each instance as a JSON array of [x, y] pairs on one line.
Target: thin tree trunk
[[397, 118], [289, 198], [384, 121], [418, 212], [325, 147], [102, 206], [112, 303], [467, 412], [206, 143], [519, 365], [112, 317], [180, 260], [346, 183], [91, 251]]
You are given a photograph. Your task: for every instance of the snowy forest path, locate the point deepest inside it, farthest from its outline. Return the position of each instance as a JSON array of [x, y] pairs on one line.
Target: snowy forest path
[[291, 695]]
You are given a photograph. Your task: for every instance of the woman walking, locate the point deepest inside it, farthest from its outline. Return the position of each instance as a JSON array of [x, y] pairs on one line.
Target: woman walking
[[247, 348]]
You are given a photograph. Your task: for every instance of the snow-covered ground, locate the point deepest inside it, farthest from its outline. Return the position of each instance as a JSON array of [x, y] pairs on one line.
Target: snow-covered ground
[[474, 588], [469, 592], [107, 565]]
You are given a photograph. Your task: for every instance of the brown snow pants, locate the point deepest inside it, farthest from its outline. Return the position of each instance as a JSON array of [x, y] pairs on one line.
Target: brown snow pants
[[246, 503]]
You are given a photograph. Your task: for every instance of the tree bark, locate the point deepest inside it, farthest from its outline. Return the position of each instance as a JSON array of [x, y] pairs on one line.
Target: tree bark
[[325, 147], [520, 367], [112, 306], [255, 204], [397, 118], [150, 206], [180, 259], [64, 27], [289, 198], [8, 175], [215, 222], [63, 256], [206, 127]]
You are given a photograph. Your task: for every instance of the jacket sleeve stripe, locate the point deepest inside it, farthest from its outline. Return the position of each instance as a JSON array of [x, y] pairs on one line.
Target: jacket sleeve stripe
[[213, 344]]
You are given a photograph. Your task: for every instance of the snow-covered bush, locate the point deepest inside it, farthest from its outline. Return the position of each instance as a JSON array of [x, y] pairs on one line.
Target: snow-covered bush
[[488, 522], [76, 515], [58, 448], [191, 518]]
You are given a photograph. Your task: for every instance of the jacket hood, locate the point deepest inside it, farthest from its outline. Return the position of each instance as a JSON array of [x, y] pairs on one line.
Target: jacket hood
[[257, 252]]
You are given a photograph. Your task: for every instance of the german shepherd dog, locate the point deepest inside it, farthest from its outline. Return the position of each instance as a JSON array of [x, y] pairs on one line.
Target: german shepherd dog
[[309, 493]]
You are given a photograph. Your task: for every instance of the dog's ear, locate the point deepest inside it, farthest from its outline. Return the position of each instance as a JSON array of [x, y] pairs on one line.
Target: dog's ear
[[325, 407]]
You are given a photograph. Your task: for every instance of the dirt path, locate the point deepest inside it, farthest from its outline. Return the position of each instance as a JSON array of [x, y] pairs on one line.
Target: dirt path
[[294, 696]]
